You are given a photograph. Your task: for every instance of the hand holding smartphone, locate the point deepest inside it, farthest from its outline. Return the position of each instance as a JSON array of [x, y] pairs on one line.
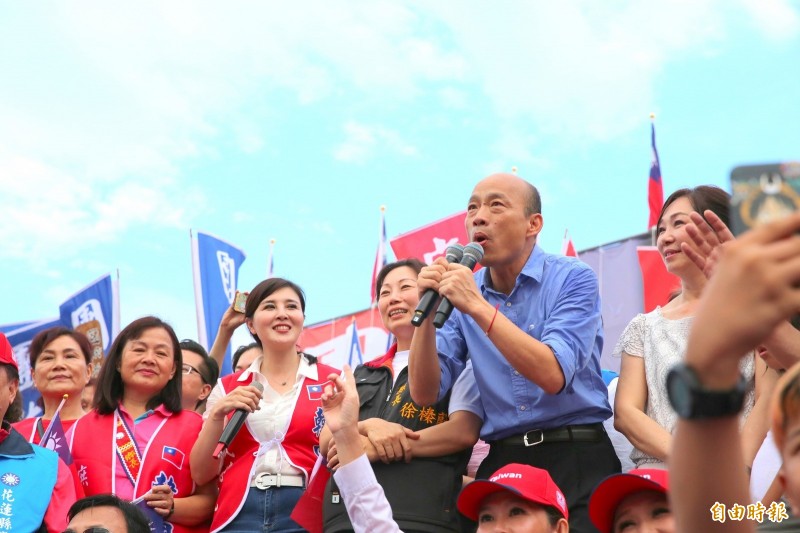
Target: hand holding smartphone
[[239, 301]]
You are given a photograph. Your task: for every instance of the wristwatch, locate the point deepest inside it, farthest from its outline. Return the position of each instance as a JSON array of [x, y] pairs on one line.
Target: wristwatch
[[694, 402]]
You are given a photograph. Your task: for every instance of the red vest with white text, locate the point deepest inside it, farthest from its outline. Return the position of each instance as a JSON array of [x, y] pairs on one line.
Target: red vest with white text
[[301, 444], [165, 460]]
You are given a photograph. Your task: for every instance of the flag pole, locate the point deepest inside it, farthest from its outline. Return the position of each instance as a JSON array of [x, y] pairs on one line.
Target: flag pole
[[49, 429], [270, 272]]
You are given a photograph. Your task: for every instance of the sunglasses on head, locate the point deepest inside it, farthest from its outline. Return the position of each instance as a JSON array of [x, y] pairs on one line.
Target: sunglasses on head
[[93, 529]]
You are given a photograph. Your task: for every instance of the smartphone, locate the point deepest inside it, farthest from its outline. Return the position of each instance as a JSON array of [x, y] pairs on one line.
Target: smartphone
[[239, 301], [762, 193]]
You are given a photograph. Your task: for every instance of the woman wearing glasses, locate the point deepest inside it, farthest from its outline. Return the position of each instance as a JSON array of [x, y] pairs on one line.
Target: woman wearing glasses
[[60, 360], [264, 471], [136, 442], [200, 373]]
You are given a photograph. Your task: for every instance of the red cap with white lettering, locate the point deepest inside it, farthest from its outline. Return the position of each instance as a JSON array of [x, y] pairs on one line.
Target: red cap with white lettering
[[613, 489], [7, 353], [527, 482]]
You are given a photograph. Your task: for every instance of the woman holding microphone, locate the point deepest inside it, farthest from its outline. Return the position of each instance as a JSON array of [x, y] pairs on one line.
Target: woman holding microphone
[[266, 466]]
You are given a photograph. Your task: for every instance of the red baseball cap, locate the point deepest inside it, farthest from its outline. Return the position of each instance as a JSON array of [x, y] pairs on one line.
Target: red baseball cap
[[7, 353], [613, 489], [527, 482]]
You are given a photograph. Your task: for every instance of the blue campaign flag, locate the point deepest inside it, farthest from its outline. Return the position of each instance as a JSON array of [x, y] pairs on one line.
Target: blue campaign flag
[[5, 328], [97, 301], [20, 340], [215, 264]]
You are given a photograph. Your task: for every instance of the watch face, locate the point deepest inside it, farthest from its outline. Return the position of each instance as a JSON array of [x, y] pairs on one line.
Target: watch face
[[678, 392]]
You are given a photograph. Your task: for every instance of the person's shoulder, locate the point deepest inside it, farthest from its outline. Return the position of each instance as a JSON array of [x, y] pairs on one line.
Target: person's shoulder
[[25, 425]]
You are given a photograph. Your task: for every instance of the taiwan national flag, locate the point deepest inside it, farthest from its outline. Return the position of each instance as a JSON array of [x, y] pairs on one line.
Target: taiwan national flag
[[173, 456], [655, 189], [54, 438], [315, 391]]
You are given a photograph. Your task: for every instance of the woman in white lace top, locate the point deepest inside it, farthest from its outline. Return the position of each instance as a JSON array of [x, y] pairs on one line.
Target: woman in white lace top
[[652, 343]]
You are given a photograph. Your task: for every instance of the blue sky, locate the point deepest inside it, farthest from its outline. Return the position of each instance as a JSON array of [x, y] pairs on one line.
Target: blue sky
[[125, 124]]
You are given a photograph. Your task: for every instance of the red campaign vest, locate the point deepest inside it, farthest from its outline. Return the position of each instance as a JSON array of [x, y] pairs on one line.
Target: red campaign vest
[[94, 455], [301, 445]]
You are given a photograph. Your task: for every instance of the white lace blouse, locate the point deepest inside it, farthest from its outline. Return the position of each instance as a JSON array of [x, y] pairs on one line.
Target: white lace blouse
[[661, 342]]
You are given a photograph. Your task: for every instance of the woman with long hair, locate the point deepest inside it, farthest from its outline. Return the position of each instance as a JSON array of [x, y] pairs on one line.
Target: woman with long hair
[[136, 442], [266, 467], [654, 342], [61, 364]]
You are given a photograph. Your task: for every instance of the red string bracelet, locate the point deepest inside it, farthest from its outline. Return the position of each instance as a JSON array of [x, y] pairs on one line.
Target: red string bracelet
[[496, 307]]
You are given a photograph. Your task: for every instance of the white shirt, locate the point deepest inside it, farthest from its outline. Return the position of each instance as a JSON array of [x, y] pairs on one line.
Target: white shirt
[[366, 504], [270, 423]]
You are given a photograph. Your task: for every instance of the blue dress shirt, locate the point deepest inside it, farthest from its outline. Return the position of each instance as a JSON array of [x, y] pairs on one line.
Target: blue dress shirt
[[555, 300]]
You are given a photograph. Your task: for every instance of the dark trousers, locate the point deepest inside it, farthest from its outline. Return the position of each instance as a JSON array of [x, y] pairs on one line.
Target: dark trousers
[[576, 467]]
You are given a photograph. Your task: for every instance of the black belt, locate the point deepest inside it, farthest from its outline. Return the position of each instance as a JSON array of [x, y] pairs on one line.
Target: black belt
[[577, 433]]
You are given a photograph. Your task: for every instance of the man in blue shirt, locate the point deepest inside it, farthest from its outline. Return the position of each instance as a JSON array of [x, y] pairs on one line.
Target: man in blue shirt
[[530, 322]]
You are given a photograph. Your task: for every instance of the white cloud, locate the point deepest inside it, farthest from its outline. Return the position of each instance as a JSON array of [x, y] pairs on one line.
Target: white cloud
[[109, 101], [573, 69], [779, 20], [362, 141]]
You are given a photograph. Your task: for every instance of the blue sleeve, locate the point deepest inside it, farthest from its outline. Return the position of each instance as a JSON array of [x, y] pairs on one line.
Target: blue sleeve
[[452, 349], [572, 327]]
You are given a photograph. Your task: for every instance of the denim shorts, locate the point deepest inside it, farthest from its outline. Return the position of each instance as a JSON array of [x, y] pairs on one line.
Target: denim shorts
[[267, 511]]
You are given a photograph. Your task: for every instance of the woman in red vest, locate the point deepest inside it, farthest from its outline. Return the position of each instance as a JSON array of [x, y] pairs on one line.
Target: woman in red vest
[[61, 363], [266, 466], [136, 443]]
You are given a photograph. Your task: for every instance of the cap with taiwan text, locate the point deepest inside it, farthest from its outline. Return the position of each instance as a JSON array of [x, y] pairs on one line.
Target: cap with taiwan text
[[613, 489], [527, 482]]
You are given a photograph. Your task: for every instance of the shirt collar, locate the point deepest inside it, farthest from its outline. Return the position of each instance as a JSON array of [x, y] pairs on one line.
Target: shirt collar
[[160, 410], [533, 268], [305, 369]]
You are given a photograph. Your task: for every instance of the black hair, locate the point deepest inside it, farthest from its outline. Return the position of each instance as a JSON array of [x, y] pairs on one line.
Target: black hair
[[14, 412], [269, 286], [135, 520], [44, 338], [411, 262], [240, 350], [110, 388], [702, 198]]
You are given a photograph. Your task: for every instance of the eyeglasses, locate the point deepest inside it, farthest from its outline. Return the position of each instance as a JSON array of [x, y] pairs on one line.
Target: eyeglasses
[[93, 529], [188, 369]]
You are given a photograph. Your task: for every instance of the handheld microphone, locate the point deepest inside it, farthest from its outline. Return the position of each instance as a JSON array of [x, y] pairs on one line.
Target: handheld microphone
[[453, 254], [473, 253], [233, 426]]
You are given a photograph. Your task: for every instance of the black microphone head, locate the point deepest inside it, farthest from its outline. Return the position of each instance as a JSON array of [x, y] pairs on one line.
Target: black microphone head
[[473, 253], [454, 253], [258, 385]]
